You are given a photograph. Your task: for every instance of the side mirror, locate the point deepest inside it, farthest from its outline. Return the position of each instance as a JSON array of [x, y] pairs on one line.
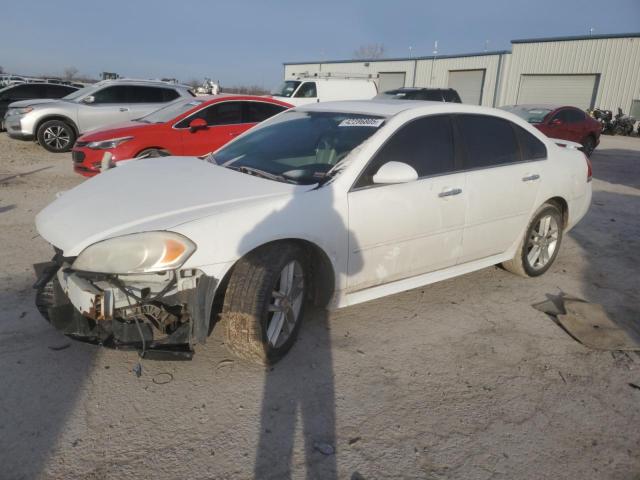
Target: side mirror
[[89, 99], [395, 172], [197, 124]]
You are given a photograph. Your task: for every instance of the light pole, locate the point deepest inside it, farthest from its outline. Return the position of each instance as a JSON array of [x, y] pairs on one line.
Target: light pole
[[435, 52]]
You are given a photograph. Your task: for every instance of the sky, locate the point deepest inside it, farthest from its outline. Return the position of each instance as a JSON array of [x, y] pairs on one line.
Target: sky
[[244, 42]]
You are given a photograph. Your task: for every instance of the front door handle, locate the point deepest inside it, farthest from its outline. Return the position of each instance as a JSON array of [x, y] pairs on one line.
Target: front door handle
[[531, 178], [450, 192], [124, 109]]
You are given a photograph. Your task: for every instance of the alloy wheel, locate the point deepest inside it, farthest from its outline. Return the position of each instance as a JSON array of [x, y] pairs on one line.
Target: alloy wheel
[[286, 304], [57, 137], [542, 242]]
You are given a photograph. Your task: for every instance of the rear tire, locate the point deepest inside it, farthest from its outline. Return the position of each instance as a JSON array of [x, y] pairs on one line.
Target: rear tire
[[264, 303], [56, 136], [539, 247]]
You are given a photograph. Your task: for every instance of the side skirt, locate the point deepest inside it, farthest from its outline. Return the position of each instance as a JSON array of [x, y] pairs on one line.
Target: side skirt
[[343, 299]]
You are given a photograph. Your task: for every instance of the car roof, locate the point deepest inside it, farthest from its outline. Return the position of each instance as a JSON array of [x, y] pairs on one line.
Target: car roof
[[391, 107], [546, 106], [136, 81]]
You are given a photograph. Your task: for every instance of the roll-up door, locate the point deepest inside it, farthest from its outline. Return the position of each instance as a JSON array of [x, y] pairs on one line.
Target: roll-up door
[[390, 81], [575, 90], [468, 84]]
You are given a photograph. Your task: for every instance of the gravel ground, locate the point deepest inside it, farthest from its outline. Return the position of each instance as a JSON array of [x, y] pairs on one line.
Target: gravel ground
[[463, 379]]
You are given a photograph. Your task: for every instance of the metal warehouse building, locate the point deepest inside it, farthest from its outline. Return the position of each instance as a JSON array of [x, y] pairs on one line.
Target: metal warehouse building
[[591, 71]]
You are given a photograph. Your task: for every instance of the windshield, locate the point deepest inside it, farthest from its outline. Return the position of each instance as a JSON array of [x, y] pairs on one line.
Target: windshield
[[171, 111], [297, 146], [80, 93], [287, 88], [530, 114]]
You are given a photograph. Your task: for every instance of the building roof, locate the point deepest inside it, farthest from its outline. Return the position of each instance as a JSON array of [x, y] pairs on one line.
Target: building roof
[[404, 59], [477, 54], [577, 37]]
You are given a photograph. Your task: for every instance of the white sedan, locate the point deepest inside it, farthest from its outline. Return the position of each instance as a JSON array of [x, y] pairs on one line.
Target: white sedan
[[332, 203]]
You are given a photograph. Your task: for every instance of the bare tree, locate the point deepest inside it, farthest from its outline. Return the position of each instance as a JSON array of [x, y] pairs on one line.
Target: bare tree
[[1, 69], [69, 73], [194, 83], [369, 52]]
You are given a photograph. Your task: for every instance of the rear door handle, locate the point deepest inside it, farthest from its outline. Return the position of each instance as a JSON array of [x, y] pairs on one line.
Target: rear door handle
[[124, 109], [450, 192], [531, 178]]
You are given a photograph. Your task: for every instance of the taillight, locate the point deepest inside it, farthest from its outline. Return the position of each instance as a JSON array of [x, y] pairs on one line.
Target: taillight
[[589, 169]]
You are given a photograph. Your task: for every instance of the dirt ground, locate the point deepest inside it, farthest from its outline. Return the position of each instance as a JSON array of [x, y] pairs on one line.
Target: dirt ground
[[462, 379]]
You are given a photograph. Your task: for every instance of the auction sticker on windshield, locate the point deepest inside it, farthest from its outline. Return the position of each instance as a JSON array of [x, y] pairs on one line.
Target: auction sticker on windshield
[[361, 122]]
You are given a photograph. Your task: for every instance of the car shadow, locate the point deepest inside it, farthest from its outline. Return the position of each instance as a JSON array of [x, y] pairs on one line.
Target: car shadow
[[611, 244], [289, 392], [617, 165], [42, 378]]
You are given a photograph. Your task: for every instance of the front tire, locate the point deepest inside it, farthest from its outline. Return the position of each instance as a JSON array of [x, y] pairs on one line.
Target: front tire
[[56, 136], [264, 303], [540, 245]]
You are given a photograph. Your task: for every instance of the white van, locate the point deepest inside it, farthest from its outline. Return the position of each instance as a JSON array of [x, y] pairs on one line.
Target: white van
[[311, 90]]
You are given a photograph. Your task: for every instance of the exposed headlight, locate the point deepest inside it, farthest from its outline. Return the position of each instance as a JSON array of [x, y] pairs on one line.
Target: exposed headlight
[[19, 111], [137, 253], [106, 144]]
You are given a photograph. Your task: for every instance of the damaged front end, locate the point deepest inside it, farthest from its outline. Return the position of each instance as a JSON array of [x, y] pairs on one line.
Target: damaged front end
[[166, 312]]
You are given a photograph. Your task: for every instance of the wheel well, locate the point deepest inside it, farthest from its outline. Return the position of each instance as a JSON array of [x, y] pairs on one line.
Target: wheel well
[[561, 203], [152, 148], [62, 118], [322, 276]]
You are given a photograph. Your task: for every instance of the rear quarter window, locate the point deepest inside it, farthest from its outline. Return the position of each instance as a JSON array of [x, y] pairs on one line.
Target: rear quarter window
[[531, 147]]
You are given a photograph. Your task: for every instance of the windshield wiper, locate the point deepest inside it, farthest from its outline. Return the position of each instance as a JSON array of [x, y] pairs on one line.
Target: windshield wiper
[[261, 173]]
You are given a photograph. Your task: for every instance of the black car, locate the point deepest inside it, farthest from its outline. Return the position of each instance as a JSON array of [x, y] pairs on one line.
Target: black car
[[30, 91], [429, 94]]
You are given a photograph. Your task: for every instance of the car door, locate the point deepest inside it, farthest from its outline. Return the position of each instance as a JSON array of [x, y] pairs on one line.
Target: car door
[[503, 164], [404, 230], [143, 99], [109, 106], [577, 124], [224, 122]]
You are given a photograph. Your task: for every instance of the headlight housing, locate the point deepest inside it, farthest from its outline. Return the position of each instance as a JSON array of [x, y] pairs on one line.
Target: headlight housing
[[136, 253], [107, 144], [20, 111]]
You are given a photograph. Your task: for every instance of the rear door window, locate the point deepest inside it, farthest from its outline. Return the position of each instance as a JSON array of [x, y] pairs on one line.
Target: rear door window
[[425, 143], [488, 141], [574, 116], [307, 90], [258, 111], [431, 95]]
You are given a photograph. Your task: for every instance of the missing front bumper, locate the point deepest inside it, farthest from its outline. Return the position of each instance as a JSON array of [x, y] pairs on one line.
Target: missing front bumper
[[121, 313]]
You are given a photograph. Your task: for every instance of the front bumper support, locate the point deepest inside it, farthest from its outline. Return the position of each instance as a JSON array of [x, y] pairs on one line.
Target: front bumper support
[[101, 311]]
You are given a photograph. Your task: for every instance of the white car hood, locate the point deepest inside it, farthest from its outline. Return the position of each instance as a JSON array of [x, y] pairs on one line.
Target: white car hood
[[33, 102], [148, 194]]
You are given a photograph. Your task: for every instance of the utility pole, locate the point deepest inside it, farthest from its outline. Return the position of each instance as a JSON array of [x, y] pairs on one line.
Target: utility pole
[[433, 59]]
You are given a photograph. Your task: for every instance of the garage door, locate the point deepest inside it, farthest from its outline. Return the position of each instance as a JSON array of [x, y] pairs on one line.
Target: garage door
[[468, 84], [390, 81], [575, 90]]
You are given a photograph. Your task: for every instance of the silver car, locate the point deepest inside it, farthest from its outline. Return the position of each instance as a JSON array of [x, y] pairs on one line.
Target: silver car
[[56, 124]]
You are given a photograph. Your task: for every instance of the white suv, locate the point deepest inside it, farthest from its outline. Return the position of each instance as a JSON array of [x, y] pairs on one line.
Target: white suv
[[56, 124]]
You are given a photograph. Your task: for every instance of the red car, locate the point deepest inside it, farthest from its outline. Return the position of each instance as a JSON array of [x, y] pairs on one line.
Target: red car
[[566, 123], [185, 127]]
